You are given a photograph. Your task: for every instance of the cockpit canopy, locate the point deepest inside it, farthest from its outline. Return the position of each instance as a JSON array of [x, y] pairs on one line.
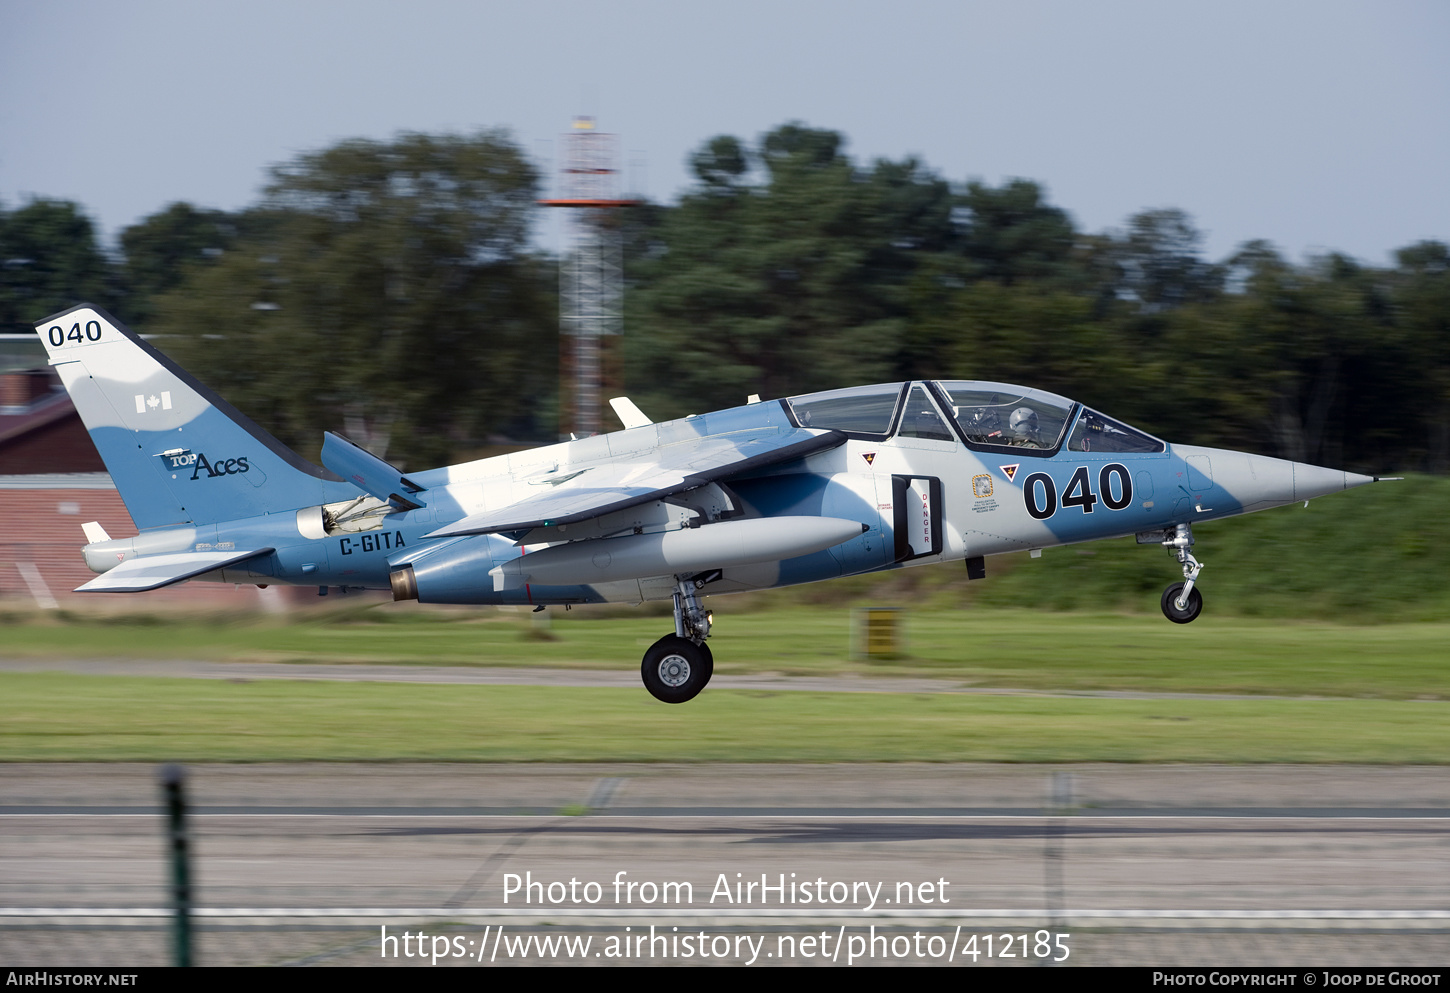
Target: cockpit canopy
[[857, 410], [986, 416], [995, 414]]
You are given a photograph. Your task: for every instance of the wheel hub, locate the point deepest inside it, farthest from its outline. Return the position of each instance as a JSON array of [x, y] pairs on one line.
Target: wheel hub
[[674, 670]]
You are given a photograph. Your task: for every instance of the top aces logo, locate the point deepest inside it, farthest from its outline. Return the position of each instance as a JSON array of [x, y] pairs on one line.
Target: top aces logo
[[201, 467]]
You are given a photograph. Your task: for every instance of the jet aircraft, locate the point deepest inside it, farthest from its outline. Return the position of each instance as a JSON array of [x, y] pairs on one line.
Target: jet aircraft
[[771, 493]]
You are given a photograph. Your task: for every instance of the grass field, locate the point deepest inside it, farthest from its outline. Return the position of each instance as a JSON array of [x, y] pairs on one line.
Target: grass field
[[980, 648], [1390, 681], [50, 716]]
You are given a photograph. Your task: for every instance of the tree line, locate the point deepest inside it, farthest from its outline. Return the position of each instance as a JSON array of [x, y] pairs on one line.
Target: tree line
[[389, 290]]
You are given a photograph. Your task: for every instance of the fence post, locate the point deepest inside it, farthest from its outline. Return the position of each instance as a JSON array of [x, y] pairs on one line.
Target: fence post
[[173, 783], [1060, 802]]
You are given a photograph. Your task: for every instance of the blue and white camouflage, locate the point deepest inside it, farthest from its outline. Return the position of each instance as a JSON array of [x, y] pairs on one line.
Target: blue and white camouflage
[[767, 494]]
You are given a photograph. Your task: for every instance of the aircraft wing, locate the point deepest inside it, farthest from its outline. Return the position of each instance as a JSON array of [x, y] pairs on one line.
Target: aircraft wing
[[673, 468], [151, 572]]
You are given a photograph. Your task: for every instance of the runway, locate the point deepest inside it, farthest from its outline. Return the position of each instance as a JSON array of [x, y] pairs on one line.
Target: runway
[[1139, 865], [624, 677]]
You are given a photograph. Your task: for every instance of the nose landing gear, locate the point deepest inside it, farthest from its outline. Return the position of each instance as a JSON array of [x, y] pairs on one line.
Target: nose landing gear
[[678, 666], [1181, 602]]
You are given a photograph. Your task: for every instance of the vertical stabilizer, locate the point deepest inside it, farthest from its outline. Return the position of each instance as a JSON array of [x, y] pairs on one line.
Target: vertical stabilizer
[[178, 453]]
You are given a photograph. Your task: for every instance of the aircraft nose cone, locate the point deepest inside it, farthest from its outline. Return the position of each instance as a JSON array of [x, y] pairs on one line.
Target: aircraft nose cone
[[1276, 480], [1258, 481], [1311, 481]]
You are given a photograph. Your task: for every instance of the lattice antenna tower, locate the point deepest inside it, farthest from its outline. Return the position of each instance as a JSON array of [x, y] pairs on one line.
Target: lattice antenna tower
[[591, 277]]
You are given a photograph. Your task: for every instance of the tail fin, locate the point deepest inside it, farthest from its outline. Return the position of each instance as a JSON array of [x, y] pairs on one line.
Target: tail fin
[[179, 454]]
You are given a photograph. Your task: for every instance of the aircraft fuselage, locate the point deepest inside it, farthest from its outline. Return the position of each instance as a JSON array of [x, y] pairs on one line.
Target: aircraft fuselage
[[921, 501]]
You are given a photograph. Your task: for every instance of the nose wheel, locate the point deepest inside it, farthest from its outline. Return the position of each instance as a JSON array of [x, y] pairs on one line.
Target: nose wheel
[[1181, 602], [1192, 604]]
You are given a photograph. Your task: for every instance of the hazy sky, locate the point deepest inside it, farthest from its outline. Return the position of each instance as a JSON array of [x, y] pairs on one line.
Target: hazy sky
[[1322, 124]]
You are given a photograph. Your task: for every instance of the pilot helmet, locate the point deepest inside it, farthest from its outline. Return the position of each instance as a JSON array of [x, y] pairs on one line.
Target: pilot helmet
[[1023, 423], [984, 418]]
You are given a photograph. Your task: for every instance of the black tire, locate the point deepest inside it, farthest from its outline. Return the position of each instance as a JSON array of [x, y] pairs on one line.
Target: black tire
[[676, 669], [1190, 611]]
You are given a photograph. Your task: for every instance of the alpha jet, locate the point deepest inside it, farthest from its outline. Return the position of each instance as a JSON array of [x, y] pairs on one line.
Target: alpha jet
[[771, 493]]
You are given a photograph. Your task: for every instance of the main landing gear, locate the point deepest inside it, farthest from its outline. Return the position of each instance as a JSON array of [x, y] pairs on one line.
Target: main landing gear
[[1181, 602], [677, 667]]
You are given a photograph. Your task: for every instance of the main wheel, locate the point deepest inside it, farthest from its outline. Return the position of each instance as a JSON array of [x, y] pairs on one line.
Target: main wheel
[[676, 669], [1190, 610]]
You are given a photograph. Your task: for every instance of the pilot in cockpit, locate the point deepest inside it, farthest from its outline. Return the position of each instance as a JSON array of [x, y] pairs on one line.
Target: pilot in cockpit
[[1022, 429], [982, 424]]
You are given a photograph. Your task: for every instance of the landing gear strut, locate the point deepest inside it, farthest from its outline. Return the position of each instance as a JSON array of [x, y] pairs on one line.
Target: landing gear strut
[[677, 667], [1181, 602]]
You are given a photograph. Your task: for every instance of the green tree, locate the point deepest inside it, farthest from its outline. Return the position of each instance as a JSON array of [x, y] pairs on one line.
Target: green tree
[[49, 260], [1012, 233], [1422, 301], [1009, 237], [1298, 361], [162, 249], [388, 289], [1036, 336], [1155, 264], [1312, 327], [785, 270]]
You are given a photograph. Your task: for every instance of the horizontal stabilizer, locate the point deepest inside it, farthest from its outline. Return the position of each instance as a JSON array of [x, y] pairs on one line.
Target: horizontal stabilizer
[[369, 473], [151, 572], [595, 490]]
